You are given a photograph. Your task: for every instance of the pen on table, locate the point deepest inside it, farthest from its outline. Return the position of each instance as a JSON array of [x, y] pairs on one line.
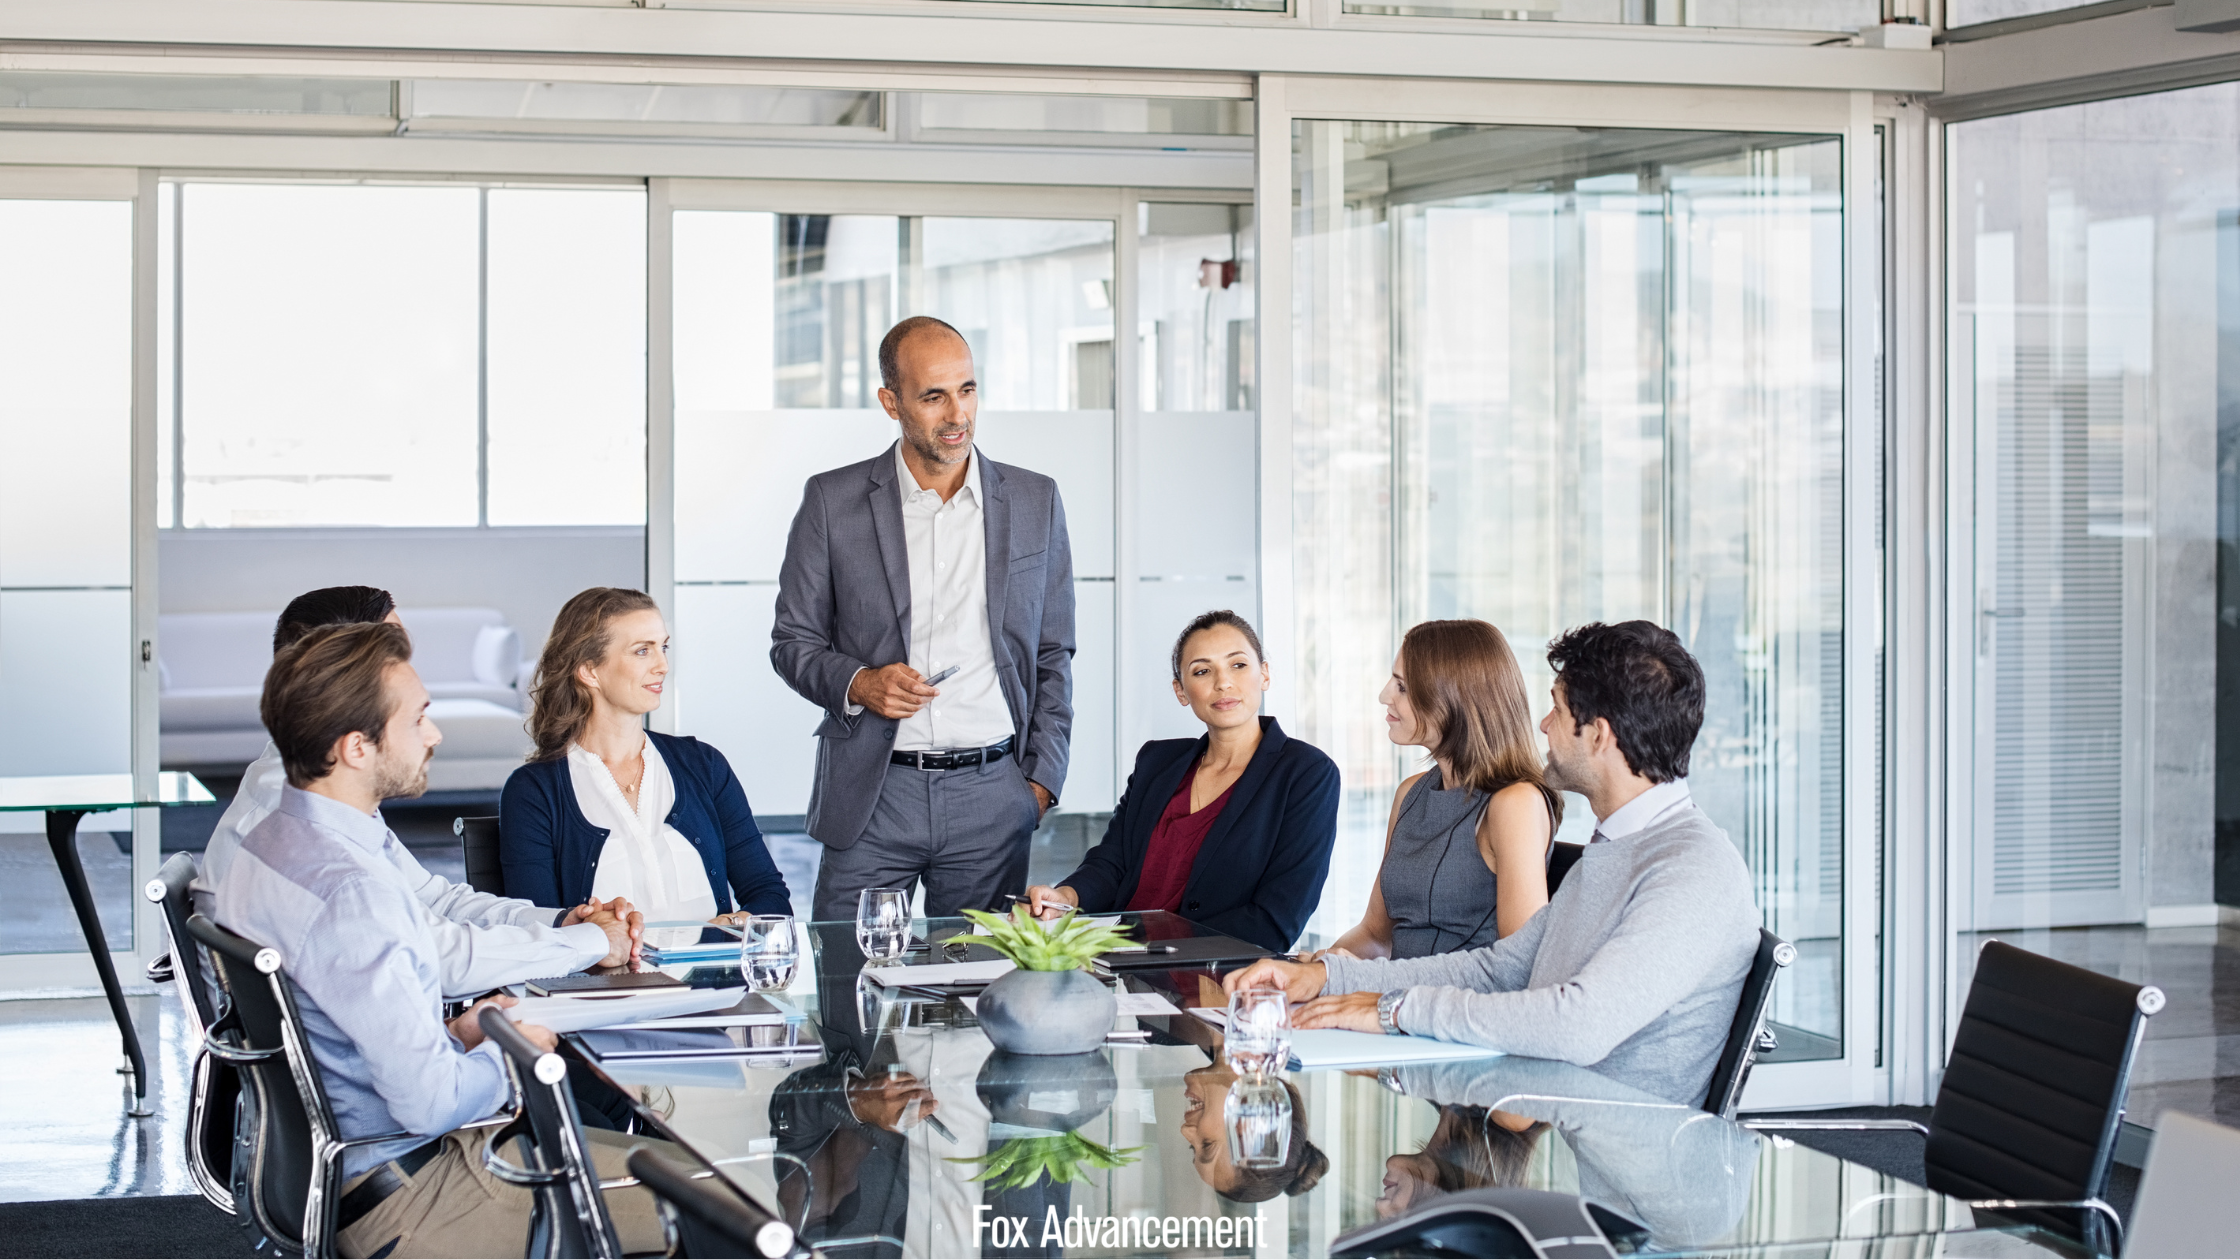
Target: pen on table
[[1143, 949]]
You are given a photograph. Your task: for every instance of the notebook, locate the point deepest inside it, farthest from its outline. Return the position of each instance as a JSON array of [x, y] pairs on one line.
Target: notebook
[[1187, 951]]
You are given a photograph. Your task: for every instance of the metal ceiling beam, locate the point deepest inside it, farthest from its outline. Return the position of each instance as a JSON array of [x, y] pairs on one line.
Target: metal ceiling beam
[[959, 37]]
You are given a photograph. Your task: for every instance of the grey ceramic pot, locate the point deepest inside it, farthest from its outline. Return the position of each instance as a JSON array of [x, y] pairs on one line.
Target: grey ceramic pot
[[1055, 1092], [1047, 1012]]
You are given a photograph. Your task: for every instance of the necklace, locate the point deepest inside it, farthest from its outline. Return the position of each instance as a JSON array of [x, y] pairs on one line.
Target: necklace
[[631, 793]]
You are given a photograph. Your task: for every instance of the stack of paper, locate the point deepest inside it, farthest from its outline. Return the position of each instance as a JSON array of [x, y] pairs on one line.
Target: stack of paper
[[566, 1013], [942, 973]]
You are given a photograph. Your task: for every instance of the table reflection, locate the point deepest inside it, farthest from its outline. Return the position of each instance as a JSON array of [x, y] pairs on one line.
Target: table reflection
[[913, 1133]]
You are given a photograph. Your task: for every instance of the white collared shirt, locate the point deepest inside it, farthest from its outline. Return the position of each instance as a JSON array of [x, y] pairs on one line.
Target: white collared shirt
[[645, 859], [1660, 800], [948, 546]]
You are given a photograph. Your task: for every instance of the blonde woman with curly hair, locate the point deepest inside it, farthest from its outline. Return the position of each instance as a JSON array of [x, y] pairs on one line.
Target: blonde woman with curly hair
[[607, 808]]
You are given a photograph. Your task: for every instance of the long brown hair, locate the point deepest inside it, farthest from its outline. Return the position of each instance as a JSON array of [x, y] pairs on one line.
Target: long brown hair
[[581, 635], [1464, 683]]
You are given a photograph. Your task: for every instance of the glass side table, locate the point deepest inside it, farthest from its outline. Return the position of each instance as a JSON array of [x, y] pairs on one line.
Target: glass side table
[[64, 799]]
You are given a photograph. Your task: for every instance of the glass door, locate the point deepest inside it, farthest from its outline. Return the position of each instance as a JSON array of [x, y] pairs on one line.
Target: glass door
[[1553, 375]]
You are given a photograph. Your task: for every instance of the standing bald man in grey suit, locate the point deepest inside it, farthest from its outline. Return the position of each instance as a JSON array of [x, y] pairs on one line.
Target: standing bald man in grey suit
[[929, 558]]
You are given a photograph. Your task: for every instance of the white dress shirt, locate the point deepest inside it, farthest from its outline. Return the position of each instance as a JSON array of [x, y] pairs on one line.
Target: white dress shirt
[[1659, 800], [948, 546], [645, 859], [482, 941]]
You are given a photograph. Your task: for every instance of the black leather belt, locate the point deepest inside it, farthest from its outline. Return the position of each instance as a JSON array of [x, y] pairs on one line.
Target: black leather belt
[[953, 758], [382, 1182]]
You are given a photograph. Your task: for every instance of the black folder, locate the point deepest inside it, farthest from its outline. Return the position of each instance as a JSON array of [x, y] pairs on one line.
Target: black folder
[[1188, 951]]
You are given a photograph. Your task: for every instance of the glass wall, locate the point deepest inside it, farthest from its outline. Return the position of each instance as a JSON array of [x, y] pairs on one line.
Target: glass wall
[[1788, 15], [1550, 376], [1196, 446], [778, 320], [2096, 358], [402, 356], [66, 650]]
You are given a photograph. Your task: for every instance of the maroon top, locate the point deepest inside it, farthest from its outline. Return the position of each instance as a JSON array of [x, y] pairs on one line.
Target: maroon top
[[1173, 850]]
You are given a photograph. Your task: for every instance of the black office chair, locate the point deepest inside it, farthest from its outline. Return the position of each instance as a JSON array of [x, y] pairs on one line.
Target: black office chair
[[216, 1086], [705, 1221], [479, 838], [2025, 1123], [1562, 856], [1748, 1036], [293, 1181], [568, 1215], [1495, 1222]]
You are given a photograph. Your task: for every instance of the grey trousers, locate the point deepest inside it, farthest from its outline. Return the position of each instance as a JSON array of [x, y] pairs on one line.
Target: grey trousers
[[963, 832]]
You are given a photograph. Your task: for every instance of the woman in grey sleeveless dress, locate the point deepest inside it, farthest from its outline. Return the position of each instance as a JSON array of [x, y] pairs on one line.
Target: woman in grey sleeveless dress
[[1466, 854]]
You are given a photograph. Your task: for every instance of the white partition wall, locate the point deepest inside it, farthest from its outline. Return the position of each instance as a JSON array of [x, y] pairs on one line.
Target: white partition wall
[[67, 651]]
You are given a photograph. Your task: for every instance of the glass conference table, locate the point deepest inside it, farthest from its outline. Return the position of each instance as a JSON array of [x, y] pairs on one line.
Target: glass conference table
[[837, 1140], [65, 799]]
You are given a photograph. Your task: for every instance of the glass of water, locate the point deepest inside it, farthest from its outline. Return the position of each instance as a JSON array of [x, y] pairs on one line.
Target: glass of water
[[883, 923], [1257, 1040], [1259, 1122], [768, 952]]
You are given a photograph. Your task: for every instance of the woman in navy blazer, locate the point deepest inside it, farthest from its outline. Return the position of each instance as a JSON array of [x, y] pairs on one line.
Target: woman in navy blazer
[[1232, 829], [602, 670]]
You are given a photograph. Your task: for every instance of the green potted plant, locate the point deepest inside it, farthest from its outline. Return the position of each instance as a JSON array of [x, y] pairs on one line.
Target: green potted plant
[[1037, 1106], [1050, 1004]]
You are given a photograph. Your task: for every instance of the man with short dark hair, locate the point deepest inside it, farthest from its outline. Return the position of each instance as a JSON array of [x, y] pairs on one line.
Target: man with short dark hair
[[922, 564], [483, 941], [1635, 965], [314, 881]]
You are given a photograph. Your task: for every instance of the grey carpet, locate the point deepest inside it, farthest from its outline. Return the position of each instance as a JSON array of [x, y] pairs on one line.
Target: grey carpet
[[181, 1225]]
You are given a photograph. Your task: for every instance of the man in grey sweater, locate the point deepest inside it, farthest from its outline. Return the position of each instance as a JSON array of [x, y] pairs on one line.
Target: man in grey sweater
[[1635, 966]]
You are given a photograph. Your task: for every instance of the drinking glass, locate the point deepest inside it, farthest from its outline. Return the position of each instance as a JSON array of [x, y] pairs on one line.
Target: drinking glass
[[768, 953], [1257, 1041], [883, 923], [1259, 1122]]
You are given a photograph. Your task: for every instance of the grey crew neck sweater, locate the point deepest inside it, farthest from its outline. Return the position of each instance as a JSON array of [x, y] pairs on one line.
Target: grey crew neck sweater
[[1633, 968]]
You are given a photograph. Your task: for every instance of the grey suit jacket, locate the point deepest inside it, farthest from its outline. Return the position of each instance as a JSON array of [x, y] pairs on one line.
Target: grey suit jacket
[[844, 605]]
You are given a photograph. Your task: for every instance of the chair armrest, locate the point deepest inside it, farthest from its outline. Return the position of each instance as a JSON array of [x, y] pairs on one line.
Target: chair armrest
[[224, 1053], [1834, 1126], [505, 1169], [2115, 1221], [351, 1144], [159, 968]]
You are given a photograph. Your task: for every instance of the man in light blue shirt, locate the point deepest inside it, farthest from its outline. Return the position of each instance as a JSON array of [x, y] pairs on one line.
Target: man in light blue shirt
[[482, 941], [314, 881]]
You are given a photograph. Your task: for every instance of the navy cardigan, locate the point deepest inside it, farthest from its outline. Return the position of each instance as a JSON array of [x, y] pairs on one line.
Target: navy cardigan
[[549, 850], [1260, 871]]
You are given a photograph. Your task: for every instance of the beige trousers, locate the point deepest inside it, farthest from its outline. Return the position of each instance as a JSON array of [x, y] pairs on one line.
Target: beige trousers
[[454, 1207]]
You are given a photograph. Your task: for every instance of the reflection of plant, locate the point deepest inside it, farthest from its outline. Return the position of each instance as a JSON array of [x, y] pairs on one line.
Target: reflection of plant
[[1064, 1158], [1065, 945]]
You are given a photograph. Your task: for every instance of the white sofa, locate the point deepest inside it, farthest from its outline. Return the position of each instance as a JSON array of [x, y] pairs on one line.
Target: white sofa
[[211, 669]]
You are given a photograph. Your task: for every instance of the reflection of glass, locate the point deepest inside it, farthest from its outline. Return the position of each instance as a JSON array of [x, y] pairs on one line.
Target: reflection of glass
[[883, 922], [1259, 1122], [1204, 1127], [1257, 1039], [768, 954], [1550, 377]]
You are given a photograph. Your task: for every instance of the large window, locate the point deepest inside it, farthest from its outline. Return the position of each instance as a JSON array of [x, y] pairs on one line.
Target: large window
[[1548, 377], [2095, 359], [402, 356]]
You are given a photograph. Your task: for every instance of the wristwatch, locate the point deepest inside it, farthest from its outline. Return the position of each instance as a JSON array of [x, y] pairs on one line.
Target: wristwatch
[[1388, 1011]]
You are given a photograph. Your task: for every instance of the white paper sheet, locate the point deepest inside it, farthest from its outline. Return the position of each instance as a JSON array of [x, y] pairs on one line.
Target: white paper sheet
[[942, 973], [1314, 1048], [565, 1014]]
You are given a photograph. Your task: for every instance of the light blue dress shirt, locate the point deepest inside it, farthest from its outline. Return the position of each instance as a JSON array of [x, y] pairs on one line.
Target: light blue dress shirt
[[313, 882]]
